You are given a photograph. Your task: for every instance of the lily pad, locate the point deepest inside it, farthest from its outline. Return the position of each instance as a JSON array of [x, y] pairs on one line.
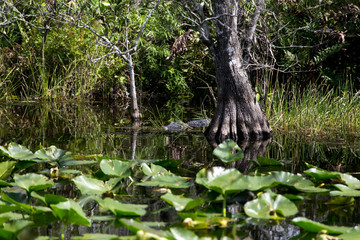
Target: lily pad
[[154, 169], [70, 212], [170, 181], [228, 151], [90, 186], [345, 191], [17, 152], [183, 234], [321, 174], [264, 162], [115, 168], [315, 227], [143, 231], [350, 181], [52, 154], [6, 169], [100, 236], [270, 206], [122, 209], [32, 182], [181, 203]]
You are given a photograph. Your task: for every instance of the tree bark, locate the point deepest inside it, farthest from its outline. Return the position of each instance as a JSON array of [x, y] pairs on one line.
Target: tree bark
[[238, 115], [135, 112]]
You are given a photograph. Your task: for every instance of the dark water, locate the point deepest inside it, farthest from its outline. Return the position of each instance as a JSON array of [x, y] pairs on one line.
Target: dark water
[[96, 129]]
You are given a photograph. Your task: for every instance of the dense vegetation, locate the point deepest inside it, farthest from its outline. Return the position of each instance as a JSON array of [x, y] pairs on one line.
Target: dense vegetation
[[305, 53]]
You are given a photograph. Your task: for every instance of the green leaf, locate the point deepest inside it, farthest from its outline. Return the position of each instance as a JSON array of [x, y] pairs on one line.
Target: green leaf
[[345, 191], [122, 209], [351, 235], [264, 161], [183, 234], [6, 169], [315, 227], [17, 152], [32, 182], [100, 236], [143, 230], [52, 154], [228, 151], [350, 181], [89, 186], [181, 203], [321, 174], [154, 170], [170, 181], [70, 212], [270, 206], [115, 168]]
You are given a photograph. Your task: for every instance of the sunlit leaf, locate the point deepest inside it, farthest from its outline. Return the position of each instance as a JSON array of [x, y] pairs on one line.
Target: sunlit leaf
[[345, 191], [350, 181], [11, 229], [89, 186], [143, 230], [122, 209], [264, 161], [6, 169], [100, 236], [32, 182], [181, 203], [70, 212], [228, 151], [170, 181], [17, 152], [312, 226], [351, 234], [154, 169], [115, 168], [321, 174], [52, 154], [270, 206], [183, 234]]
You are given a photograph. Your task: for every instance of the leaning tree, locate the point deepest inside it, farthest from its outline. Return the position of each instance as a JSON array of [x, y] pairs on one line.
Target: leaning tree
[[238, 115]]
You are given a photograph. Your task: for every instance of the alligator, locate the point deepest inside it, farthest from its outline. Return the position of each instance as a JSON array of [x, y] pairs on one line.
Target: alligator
[[178, 126]]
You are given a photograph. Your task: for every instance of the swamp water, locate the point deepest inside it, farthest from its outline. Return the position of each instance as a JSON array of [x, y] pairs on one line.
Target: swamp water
[[86, 130]]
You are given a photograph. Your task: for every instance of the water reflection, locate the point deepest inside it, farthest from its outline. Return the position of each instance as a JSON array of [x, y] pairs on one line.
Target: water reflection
[[89, 129]]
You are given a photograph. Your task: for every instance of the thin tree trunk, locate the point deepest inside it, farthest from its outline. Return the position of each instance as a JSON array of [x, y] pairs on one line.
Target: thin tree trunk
[[135, 112], [238, 115]]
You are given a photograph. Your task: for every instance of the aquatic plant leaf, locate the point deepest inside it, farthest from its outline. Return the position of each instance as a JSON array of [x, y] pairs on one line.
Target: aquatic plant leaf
[[345, 191], [89, 186], [321, 174], [315, 227], [300, 183], [170, 181], [12, 229], [115, 168], [32, 182], [354, 233], [52, 154], [264, 161], [181, 203], [5, 184], [17, 152], [154, 169], [143, 230], [122, 209], [183, 234], [270, 206], [228, 151], [6, 169], [101, 236], [70, 212], [7, 208], [342, 201], [350, 181]]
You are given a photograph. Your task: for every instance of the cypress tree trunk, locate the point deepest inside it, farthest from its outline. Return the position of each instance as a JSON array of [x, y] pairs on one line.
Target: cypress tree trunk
[[238, 115]]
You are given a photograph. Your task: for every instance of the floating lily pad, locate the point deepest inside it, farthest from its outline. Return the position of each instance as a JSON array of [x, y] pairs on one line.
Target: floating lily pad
[[89, 186], [228, 151], [321, 174], [264, 162], [32, 182], [181, 203], [170, 181], [122, 209], [6, 169], [154, 169], [143, 231], [315, 227], [70, 212], [345, 191], [17, 152], [100, 236], [52, 154], [183, 234], [115, 168], [270, 206], [350, 181]]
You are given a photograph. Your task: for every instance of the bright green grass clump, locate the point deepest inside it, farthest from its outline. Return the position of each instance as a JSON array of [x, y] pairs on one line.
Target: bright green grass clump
[[314, 111]]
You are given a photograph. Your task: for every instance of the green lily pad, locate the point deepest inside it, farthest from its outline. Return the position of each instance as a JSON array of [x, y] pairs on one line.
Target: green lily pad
[[70, 212], [270, 206], [300, 183], [228, 151], [154, 169], [264, 162], [143, 231], [321, 174], [122, 209], [17, 152], [6, 169], [350, 181], [170, 181], [115, 168], [90, 186], [32, 182], [181, 203], [315, 227], [183, 234], [12, 229], [351, 235], [345, 191], [52, 154], [100, 236]]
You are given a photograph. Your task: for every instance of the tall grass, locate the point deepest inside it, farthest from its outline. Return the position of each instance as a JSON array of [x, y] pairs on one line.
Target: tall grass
[[314, 111]]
